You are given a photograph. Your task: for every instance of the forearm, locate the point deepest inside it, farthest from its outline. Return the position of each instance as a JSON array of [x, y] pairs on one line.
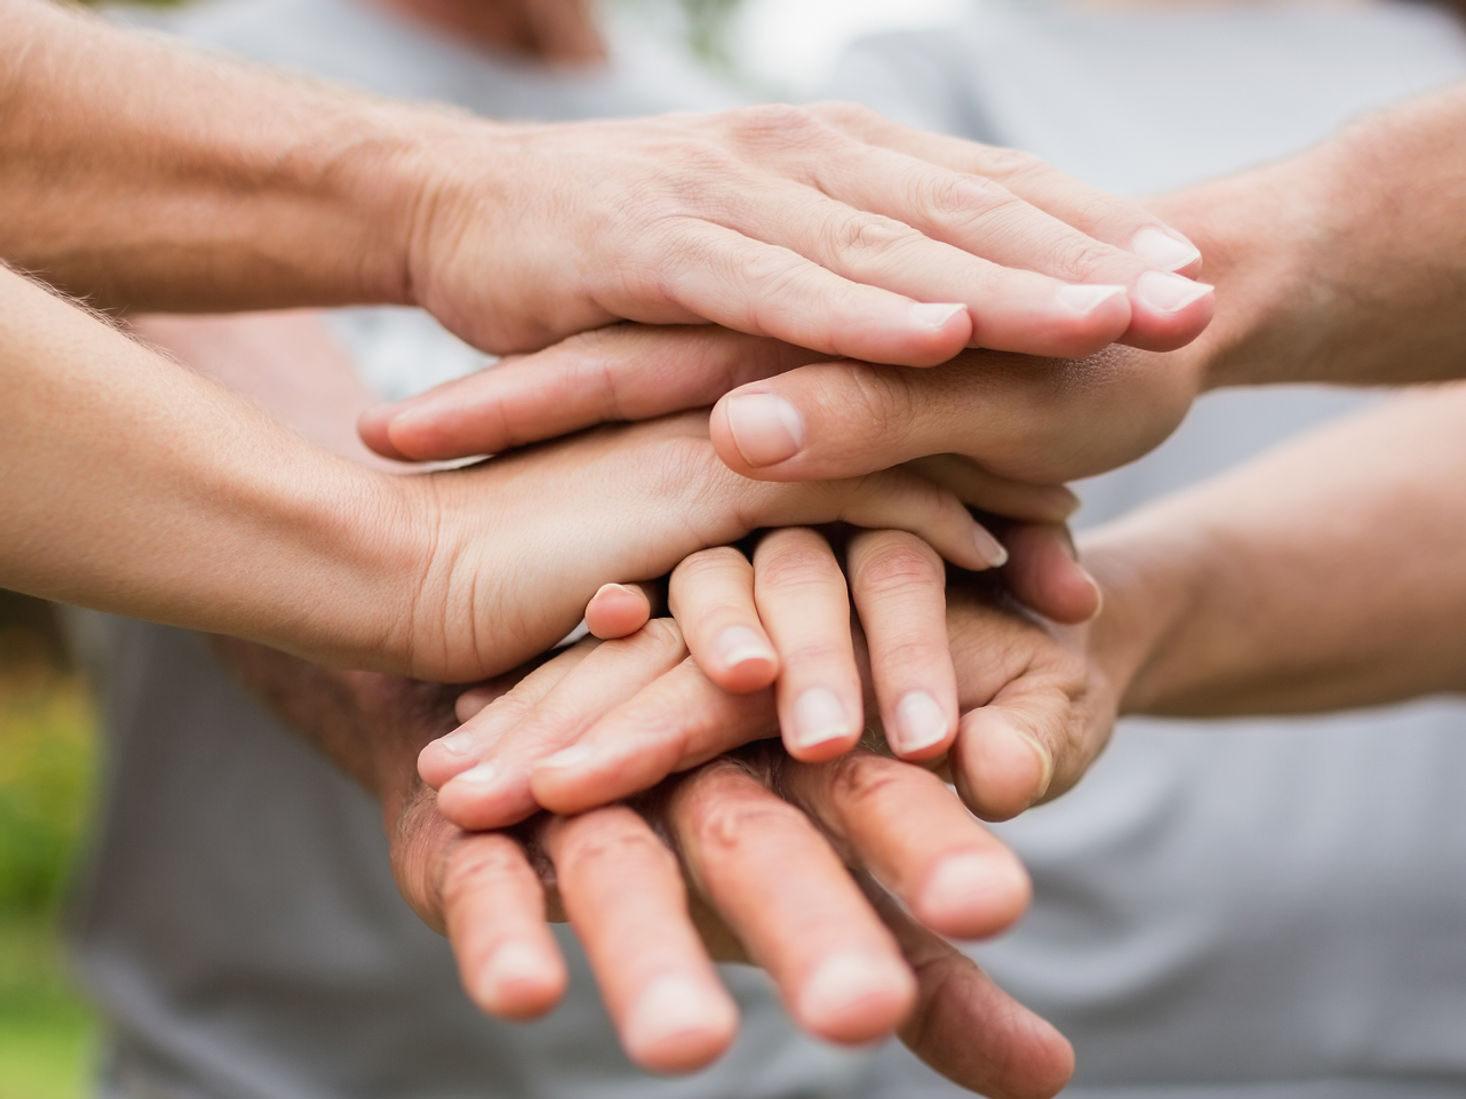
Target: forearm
[[140, 174], [135, 486], [1324, 575], [1344, 264]]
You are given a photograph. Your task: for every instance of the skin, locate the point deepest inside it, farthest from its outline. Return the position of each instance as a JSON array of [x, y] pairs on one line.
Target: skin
[[1342, 264], [1220, 601], [193, 183], [849, 963], [451, 575], [757, 847]]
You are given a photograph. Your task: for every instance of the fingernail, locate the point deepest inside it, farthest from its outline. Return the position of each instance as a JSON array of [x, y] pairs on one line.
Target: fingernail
[[621, 588], [1163, 249], [512, 964], [573, 756], [920, 722], [841, 983], [482, 774], [1169, 293], [961, 881], [819, 717], [1084, 299], [766, 429], [934, 316], [989, 548], [674, 1006], [1021, 747], [457, 743], [738, 644]]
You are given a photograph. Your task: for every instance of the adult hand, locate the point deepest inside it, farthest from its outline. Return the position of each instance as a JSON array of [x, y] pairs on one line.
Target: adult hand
[[828, 227], [1037, 699], [783, 414], [760, 846], [509, 552], [761, 842]]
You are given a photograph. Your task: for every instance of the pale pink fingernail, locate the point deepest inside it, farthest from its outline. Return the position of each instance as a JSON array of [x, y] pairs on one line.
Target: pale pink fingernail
[[673, 1008], [1169, 293], [842, 982], [960, 881], [738, 644], [989, 548], [920, 723], [1162, 249], [935, 317], [457, 743], [1083, 299], [513, 964], [766, 429], [1020, 747], [481, 774], [819, 716]]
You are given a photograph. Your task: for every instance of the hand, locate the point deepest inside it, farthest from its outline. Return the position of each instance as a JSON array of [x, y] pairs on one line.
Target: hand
[[1037, 701], [761, 842], [828, 227], [782, 414], [517, 545]]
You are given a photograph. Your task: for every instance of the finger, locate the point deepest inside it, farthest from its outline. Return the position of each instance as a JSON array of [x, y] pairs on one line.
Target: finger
[[1044, 573], [894, 499], [494, 912], [711, 596], [625, 372], [770, 290], [681, 720], [1119, 221], [618, 610], [1011, 309], [1032, 742], [977, 214], [485, 715], [788, 897], [899, 586], [495, 791], [623, 894], [968, 1029], [984, 490], [905, 826], [804, 604]]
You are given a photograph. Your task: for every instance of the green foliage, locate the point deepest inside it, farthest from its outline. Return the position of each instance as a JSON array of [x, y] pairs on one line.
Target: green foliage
[[46, 754], [46, 760]]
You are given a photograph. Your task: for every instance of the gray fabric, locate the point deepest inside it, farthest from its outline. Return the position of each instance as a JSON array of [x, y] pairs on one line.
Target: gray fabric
[[1248, 910], [1269, 911]]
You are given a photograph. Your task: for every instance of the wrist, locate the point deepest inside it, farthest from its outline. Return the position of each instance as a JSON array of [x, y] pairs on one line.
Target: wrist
[[1148, 582], [1262, 238]]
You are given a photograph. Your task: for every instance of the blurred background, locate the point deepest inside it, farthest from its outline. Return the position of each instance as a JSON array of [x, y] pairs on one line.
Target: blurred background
[[48, 753]]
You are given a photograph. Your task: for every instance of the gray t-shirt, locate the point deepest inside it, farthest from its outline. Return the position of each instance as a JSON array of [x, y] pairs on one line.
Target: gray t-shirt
[[1264, 910]]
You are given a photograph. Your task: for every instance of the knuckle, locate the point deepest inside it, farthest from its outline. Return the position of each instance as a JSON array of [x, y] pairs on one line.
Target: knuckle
[[793, 568], [773, 123], [892, 565], [610, 848], [1011, 164], [842, 112], [870, 234], [716, 561], [661, 635], [726, 828], [1077, 257], [471, 866], [859, 780]]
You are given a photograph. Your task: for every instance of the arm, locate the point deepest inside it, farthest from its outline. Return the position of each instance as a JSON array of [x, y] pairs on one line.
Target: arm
[[1344, 264], [143, 175], [1325, 575]]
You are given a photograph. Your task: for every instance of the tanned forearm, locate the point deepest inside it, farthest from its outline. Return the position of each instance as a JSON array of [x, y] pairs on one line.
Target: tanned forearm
[[139, 174], [192, 507], [1345, 264], [1327, 574]]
